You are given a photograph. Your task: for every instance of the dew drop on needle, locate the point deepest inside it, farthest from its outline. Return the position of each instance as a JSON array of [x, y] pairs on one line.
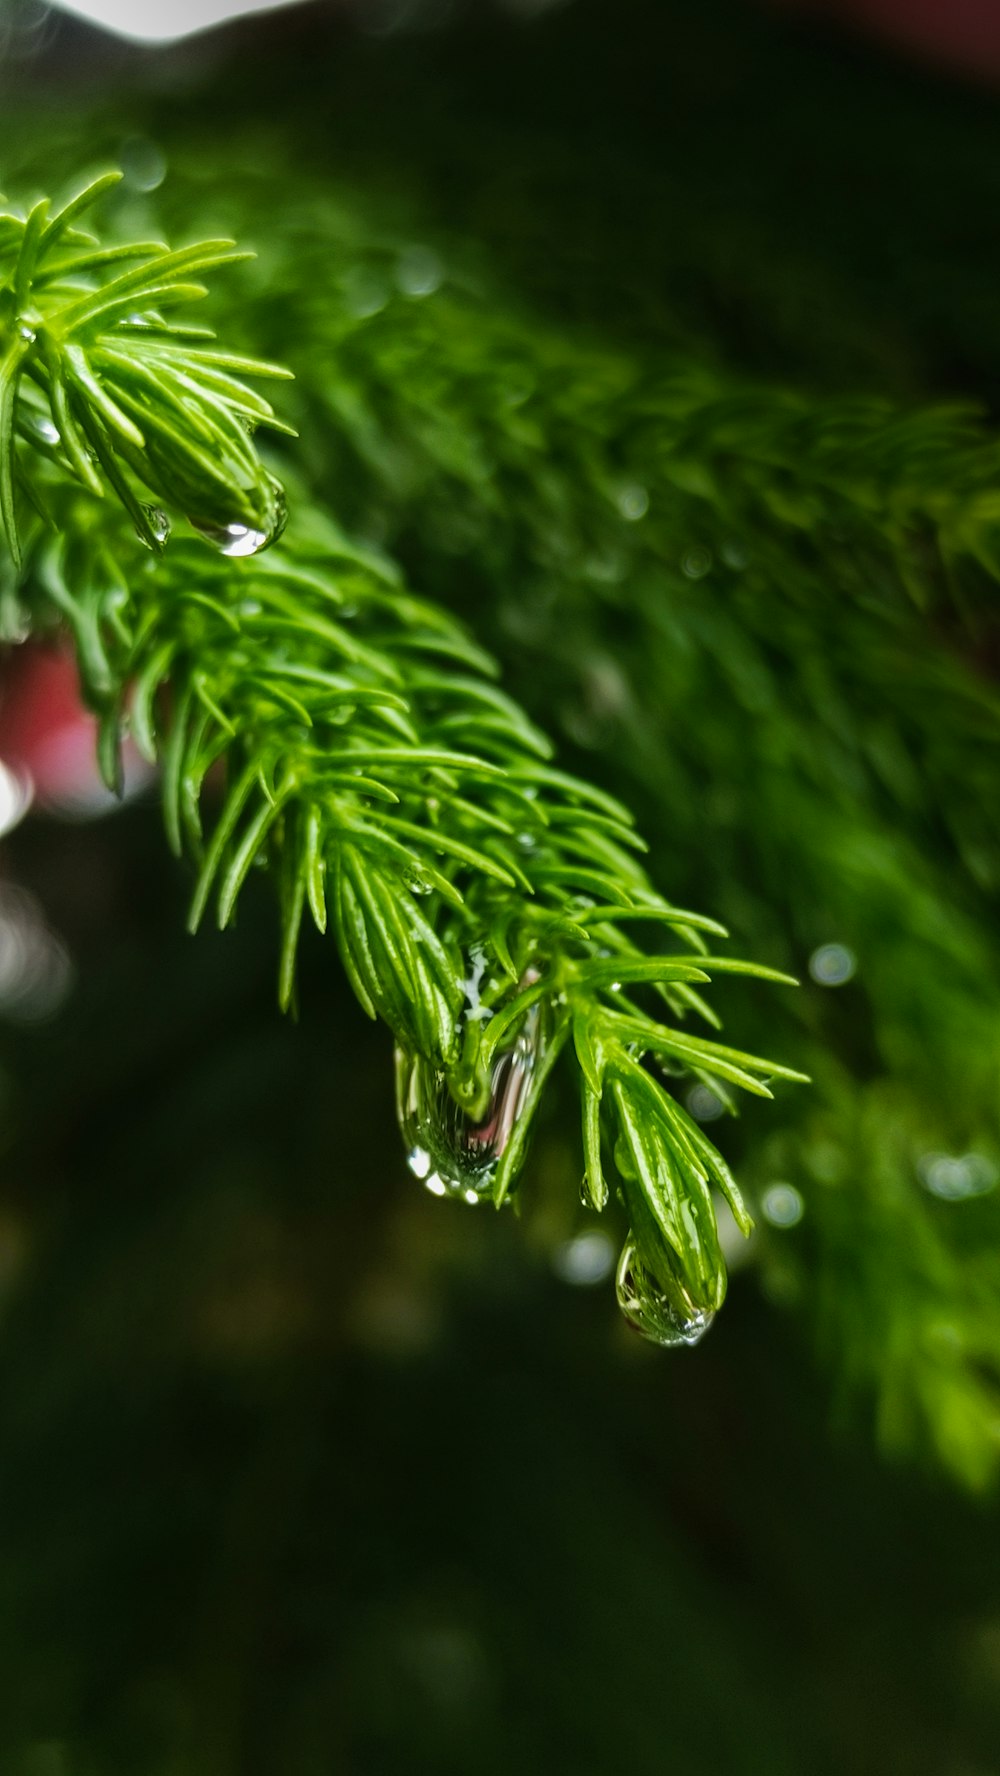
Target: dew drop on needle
[[648, 1308], [452, 1152]]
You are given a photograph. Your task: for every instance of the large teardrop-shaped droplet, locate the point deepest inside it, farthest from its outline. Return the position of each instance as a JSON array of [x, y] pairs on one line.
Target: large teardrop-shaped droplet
[[233, 539], [237, 539], [451, 1152], [649, 1309]]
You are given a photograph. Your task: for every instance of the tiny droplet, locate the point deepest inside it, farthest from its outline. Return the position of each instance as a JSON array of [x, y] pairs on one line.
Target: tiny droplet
[[956, 1177], [419, 271], [633, 502], [696, 564], [782, 1205], [832, 964], [704, 1104], [159, 526], [584, 1260]]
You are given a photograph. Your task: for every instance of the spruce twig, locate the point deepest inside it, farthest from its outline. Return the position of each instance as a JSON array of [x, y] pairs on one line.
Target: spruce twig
[[370, 760]]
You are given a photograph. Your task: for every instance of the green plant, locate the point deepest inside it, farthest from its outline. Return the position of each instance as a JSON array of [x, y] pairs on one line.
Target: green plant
[[482, 900]]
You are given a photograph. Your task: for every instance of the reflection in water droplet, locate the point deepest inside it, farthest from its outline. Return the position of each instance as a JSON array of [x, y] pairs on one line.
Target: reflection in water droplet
[[237, 539], [449, 1151], [159, 526], [832, 964], [649, 1309], [782, 1205]]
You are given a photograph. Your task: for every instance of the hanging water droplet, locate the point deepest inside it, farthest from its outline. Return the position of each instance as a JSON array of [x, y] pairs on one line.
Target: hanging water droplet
[[159, 527], [649, 1309], [451, 1152], [26, 333], [236, 539], [233, 539], [40, 429]]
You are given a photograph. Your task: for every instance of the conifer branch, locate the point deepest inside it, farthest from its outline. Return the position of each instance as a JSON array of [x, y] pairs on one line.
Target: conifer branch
[[482, 901]]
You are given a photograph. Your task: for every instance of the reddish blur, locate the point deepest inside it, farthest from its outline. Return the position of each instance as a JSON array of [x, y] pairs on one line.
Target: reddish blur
[[49, 739], [962, 34]]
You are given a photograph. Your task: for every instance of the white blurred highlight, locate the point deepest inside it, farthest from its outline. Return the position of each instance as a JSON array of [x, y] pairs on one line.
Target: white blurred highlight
[[15, 797], [35, 970], [164, 21]]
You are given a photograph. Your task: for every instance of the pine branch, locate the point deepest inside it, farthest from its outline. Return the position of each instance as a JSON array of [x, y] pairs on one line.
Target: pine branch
[[93, 374], [790, 598], [482, 901]]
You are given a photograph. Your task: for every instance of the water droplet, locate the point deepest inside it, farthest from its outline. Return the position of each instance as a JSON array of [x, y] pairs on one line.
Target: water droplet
[[419, 271], [955, 1177], [696, 564], [584, 1260], [26, 333], [40, 429], [832, 964], [233, 539], [159, 526], [649, 1309], [632, 502], [782, 1205], [143, 164], [451, 1152], [704, 1104], [366, 292], [416, 881]]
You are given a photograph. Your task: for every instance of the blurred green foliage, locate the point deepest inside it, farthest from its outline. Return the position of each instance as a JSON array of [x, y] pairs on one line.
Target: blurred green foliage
[[302, 1472]]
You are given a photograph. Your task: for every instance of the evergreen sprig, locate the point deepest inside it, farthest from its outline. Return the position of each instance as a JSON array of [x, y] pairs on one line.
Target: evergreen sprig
[[483, 901], [92, 372], [777, 607]]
